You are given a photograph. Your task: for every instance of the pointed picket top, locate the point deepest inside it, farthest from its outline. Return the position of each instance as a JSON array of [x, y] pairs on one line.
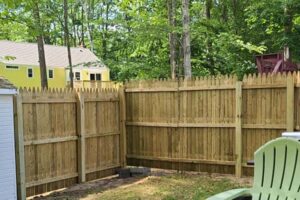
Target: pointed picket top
[[297, 77], [289, 74], [277, 78], [20, 90], [71, 90], [233, 79], [245, 78], [251, 77], [207, 78], [51, 90], [211, 80], [264, 79], [44, 91], [284, 75], [35, 89]]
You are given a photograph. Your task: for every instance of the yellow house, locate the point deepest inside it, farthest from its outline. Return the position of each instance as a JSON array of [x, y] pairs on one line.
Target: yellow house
[[19, 63]]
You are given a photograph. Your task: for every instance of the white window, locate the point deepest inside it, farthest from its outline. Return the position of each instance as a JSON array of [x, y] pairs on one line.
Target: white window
[[50, 73], [77, 76], [95, 77], [30, 73], [12, 67]]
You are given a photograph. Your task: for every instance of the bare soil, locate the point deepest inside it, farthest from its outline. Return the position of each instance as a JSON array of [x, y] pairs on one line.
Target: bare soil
[[161, 184]]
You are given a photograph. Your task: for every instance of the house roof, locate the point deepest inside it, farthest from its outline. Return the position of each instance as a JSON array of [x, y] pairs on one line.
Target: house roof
[[5, 84], [21, 53]]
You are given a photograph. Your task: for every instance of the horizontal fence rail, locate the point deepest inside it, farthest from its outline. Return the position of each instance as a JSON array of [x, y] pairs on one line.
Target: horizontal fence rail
[[211, 124]]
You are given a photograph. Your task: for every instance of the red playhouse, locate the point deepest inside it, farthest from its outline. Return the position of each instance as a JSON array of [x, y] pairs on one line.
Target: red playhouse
[[275, 62]]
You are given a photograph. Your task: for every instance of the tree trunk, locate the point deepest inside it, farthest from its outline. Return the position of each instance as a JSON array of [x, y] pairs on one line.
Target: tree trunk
[[40, 43], [224, 12], [235, 15], [186, 40], [288, 22], [87, 19], [208, 8], [172, 36], [73, 16], [105, 31], [82, 27], [210, 58], [66, 30]]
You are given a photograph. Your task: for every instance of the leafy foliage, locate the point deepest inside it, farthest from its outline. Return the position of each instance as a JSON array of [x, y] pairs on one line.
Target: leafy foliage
[[131, 36]]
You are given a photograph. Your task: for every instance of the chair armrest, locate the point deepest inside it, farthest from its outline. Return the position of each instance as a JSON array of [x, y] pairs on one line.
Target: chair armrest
[[231, 194]]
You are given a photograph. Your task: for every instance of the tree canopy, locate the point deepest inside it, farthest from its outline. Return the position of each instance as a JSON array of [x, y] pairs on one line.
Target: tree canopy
[[132, 36]]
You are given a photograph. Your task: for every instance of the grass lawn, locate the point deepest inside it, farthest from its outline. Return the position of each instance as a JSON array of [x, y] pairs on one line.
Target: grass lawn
[[162, 186], [171, 187]]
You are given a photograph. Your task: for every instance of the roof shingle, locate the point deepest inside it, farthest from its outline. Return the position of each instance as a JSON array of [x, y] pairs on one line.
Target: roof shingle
[[5, 84], [56, 56]]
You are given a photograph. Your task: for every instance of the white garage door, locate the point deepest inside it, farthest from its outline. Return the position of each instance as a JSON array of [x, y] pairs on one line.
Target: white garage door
[[7, 149]]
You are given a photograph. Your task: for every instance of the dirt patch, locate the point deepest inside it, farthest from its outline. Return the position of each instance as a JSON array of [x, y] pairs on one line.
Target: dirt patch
[[162, 184]]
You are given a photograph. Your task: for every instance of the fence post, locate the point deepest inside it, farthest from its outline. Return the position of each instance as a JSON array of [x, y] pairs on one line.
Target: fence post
[[122, 126], [290, 103], [19, 146], [238, 129], [81, 137]]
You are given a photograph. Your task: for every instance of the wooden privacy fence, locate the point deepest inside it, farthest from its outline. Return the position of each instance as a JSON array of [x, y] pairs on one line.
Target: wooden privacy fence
[[67, 136], [96, 84], [210, 124]]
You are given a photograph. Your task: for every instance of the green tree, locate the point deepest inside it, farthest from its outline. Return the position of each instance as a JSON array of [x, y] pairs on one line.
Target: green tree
[[143, 39]]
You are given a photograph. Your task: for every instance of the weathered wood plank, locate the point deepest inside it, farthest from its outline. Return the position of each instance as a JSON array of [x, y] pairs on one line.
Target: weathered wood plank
[[50, 140], [102, 134], [290, 95], [183, 160], [50, 180], [122, 126], [102, 168], [238, 130], [81, 137], [139, 90], [264, 126], [181, 125], [19, 146]]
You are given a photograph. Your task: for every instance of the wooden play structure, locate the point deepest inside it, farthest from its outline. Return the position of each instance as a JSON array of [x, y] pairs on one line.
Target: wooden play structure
[[275, 62]]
